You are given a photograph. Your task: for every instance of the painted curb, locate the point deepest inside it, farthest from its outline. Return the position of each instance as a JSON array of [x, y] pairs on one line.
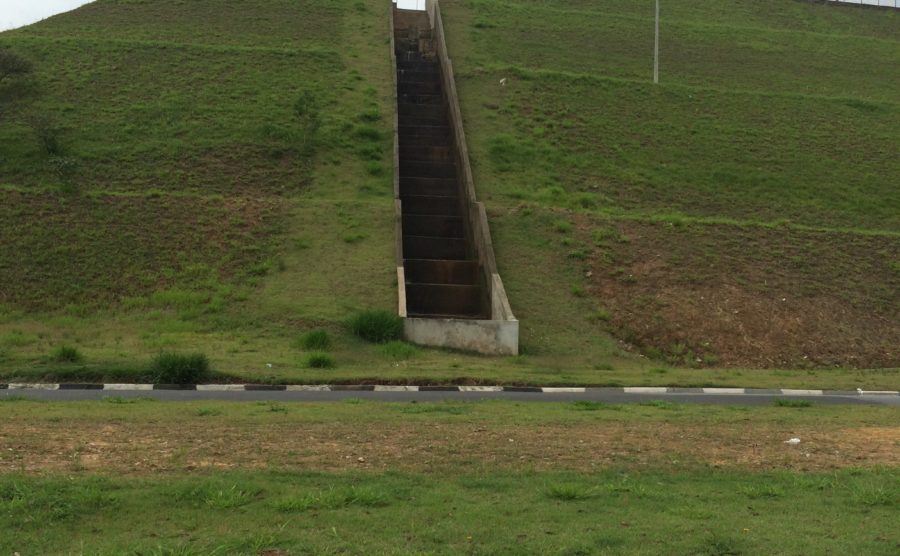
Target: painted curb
[[642, 390]]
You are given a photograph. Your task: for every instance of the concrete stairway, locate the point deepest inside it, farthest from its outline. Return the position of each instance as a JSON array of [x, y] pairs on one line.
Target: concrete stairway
[[443, 278]]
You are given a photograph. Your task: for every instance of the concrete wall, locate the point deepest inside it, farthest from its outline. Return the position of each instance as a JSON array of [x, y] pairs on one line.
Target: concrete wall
[[489, 337]]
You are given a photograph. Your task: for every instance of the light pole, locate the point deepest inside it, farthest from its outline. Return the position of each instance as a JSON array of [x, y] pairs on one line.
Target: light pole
[[656, 48]]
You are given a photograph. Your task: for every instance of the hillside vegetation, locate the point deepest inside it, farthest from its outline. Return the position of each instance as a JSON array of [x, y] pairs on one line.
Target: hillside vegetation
[[745, 211], [214, 176]]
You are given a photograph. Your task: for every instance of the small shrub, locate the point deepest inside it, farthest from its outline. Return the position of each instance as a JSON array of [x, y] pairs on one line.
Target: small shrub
[[13, 65], [569, 492], [308, 115], [47, 134], [562, 227], [600, 315], [178, 368], [374, 168], [783, 402], [376, 325], [353, 237], [66, 354], [399, 350], [315, 340], [320, 361]]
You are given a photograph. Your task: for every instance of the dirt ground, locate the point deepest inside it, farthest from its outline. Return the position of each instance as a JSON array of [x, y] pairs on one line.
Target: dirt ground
[[753, 297], [146, 448]]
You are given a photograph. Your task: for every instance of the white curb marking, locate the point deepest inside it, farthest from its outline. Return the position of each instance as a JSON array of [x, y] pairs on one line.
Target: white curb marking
[[396, 388], [308, 388], [793, 392], [878, 392], [723, 391], [563, 390], [480, 388], [646, 390], [220, 388], [27, 386], [128, 387]]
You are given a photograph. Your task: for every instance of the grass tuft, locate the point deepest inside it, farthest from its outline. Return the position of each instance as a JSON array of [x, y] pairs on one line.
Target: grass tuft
[[178, 368], [315, 340], [376, 325], [568, 492], [320, 360], [66, 354], [399, 350]]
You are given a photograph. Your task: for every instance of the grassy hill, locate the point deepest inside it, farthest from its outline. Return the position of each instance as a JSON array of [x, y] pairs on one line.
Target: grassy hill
[[743, 212], [159, 191]]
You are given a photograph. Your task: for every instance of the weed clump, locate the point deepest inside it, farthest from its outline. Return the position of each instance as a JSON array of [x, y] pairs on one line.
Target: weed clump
[[376, 325], [315, 340], [564, 491], [66, 354], [179, 368], [320, 361], [399, 350]]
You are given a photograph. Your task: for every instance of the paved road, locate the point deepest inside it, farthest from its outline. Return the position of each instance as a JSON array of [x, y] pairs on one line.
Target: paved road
[[591, 394]]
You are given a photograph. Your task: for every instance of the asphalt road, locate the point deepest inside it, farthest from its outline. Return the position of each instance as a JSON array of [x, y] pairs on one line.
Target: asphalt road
[[614, 396]]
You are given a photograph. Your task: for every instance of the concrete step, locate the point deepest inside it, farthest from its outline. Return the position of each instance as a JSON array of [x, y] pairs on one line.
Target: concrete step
[[417, 65], [427, 247], [411, 88], [429, 187], [433, 225], [408, 120], [421, 99], [416, 152], [444, 299], [427, 169], [426, 271], [406, 55], [431, 204], [418, 77], [424, 141], [422, 110]]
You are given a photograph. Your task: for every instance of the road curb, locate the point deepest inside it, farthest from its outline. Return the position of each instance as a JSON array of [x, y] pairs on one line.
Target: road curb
[[642, 390]]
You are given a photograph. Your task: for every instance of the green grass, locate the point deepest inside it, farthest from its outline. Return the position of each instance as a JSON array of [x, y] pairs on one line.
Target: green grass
[[628, 512]]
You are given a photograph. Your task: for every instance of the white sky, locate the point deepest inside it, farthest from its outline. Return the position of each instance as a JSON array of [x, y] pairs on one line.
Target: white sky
[[16, 13], [404, 4]]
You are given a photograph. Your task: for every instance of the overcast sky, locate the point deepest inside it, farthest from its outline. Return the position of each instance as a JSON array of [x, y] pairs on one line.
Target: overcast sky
[[15, 13]]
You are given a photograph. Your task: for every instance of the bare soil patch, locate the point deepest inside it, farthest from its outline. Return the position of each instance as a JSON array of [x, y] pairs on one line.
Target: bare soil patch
[[141, 448], [737, 296]]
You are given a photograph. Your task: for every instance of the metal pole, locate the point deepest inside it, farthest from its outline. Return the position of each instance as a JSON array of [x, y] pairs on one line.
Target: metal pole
[[656, 48]]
